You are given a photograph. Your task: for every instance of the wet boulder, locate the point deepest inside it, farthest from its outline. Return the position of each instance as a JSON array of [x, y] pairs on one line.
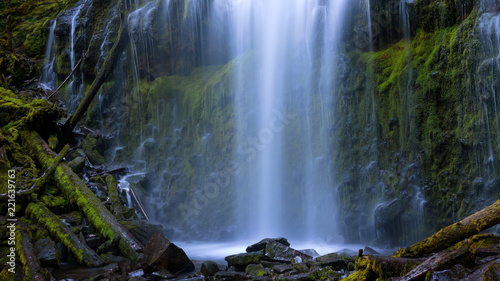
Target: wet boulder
[[47, 252], [241, 261], [280, 252], [209, 268], [162, 255], [333, 260], [231, 275], [261, 245], [256, 270]]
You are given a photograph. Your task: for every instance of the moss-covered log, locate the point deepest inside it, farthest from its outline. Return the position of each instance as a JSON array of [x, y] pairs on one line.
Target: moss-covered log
[[77, 192], [373, 267], [450, 235], [32, 267], [58, 229]]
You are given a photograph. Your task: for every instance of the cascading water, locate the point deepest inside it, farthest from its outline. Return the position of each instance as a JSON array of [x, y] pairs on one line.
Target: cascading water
[[487, 102], [48, 78], [284, 120], [76, 85]]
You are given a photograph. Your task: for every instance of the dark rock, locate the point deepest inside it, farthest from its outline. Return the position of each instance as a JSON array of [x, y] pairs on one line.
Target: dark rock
[[255, 270], [282, 268], [270, 263], [490, 269], [136, 273], [111, 268], [261, 245], [460, 271], [280, 252], [478, 184], [47, 252], [241, 261], [109, 258], [337, 263], [230, 275], [310, 252], [160, 254], [162, 275], [443, 275], [209, 268], [300, 267], [298, 277], [134, 278], [93, 241], [221, 267], [371, 252]]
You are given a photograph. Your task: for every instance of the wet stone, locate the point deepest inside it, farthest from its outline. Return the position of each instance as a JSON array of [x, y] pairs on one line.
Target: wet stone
[[162, 255], [282, 268], [230, 275], [47, 252], [209, 268], [256, 270], [280, 252], [261, 245], [241, 261]]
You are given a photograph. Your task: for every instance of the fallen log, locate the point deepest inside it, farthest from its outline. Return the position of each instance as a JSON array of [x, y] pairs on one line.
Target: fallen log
[[450, 235], [437, 262], [77, 192], [373, 267], [58, 229], [32, 267]]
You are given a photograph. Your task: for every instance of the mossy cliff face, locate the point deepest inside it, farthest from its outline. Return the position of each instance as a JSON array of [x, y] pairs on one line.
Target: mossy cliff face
[[23, 34], [415, 122], [419, 109]]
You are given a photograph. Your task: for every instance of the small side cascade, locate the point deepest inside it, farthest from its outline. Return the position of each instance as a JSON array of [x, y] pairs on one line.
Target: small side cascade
[[76, 86], [49, 77]]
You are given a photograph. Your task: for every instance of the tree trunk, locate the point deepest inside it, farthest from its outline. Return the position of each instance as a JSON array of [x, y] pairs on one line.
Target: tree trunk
[[85, 255], [450, 235], [77, 192]]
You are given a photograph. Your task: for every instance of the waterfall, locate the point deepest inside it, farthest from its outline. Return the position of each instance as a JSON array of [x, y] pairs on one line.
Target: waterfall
[[487, 101], [49, 79], [284, 119]]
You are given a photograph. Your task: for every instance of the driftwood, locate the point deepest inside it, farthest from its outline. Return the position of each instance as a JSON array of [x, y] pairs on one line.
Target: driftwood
[[32, 267], [63, 233], [77, 192], [450, 235], [113, 56]]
